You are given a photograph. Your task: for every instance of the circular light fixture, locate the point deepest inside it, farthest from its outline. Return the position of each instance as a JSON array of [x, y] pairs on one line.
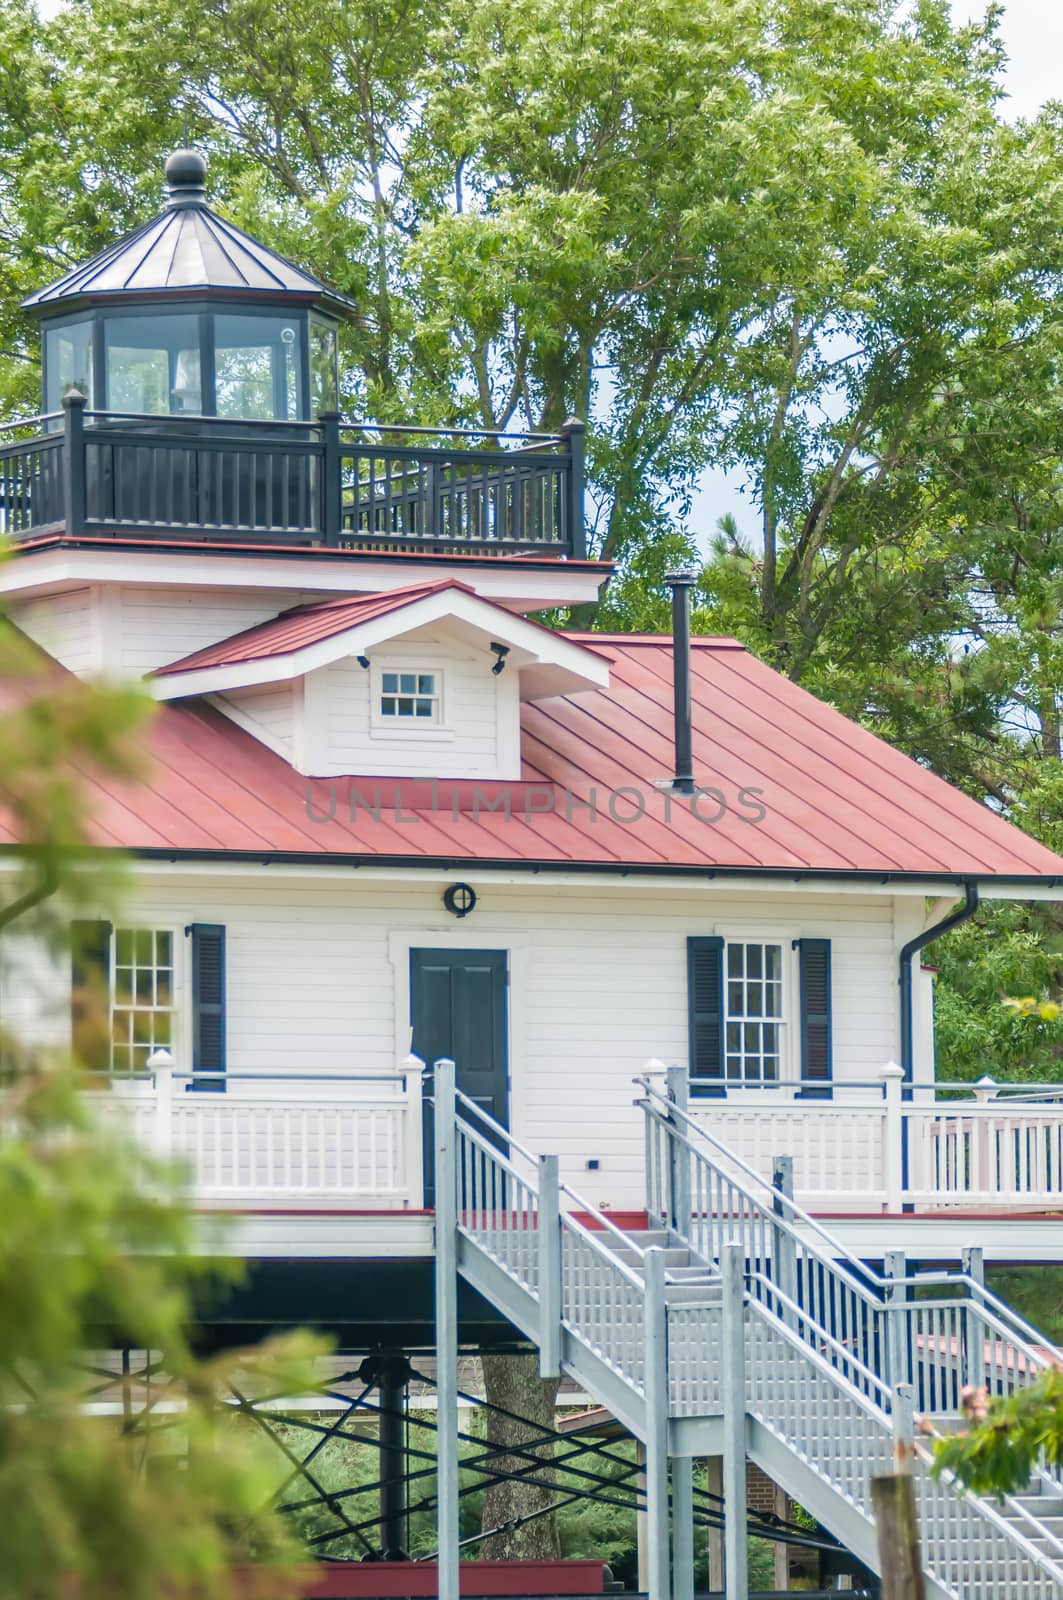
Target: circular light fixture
[[287, 335], [459, 899]]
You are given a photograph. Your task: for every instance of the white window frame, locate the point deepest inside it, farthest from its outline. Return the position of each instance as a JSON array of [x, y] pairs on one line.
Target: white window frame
[[419, 728], [789, 1021], [177, 951]]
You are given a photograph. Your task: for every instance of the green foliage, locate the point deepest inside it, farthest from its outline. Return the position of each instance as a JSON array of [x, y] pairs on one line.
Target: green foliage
[[95, 1250], [998, 1455]]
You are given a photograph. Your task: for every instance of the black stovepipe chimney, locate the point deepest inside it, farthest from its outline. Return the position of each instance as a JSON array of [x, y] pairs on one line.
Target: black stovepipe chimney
[[681, 584]]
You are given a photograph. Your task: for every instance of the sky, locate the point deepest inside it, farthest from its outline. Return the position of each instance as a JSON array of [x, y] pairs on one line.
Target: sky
[[1032, 31]]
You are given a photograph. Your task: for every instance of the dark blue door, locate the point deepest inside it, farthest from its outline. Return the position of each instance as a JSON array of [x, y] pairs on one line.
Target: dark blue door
[[458, 1010]]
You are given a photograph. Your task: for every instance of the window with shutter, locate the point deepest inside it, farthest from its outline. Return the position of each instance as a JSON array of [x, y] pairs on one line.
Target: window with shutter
[[208, 1004], [817, 1068]]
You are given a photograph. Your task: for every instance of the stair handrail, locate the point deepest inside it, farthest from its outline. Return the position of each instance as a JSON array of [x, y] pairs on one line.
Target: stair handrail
[[884, 1418], [563, 1188], [1024, 1335], [798, 1314], [834, 1248]]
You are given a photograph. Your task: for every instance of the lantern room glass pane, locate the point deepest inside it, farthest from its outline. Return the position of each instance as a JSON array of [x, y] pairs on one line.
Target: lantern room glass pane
[[256, 367], [324, 378], [68, 362], [152, 364]]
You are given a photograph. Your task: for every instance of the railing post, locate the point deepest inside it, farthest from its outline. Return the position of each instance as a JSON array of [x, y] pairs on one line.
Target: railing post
[[74, 473], [784, 1249], [160, 1062], [331, 507], [682, 1528], [734, 1423], [893, 1137], [903, 1408], [550, 1267], [658, 1170], [899, 1333], [678, 1157], [973, 1263], [413, 1090], [656, 1397], [576, 434], [446, 1286]]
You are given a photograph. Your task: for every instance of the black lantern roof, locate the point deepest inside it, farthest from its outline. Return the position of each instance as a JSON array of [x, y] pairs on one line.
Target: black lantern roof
[[187, 249]]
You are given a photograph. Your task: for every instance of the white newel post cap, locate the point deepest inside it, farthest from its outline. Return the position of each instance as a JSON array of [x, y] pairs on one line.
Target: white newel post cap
[[986, 1089], [657, 1074], [890, 1071], [160, 1060], [414, 1065]]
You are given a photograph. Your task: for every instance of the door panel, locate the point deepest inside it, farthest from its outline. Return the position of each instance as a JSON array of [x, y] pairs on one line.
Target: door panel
[[458, 1010]]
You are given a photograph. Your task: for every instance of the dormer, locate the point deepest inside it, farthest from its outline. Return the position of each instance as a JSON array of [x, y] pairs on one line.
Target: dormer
[[424, 682]]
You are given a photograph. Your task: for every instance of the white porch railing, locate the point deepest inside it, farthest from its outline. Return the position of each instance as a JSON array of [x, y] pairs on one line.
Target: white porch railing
[[869, 1148], [283, 1138]]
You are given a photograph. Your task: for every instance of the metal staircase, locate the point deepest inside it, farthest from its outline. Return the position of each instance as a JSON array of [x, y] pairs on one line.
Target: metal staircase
[[737, 1326]]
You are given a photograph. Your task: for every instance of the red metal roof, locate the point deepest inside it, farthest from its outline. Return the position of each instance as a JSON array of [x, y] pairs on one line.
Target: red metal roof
[[835, 798], [304, 625]]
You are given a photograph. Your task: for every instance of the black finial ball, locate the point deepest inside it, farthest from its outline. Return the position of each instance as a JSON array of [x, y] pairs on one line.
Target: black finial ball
[[186, 169]]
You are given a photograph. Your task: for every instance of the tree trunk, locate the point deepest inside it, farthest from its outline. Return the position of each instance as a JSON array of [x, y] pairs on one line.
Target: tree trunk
[[512, 1382]]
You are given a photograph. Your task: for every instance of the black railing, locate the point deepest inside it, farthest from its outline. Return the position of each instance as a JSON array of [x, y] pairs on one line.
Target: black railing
[[329, 483]]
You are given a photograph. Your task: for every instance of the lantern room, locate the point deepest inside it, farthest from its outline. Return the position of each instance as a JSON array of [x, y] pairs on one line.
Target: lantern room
[[190, 316]]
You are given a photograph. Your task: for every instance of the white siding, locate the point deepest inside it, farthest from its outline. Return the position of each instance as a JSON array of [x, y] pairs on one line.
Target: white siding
[[318, 980], [467, 746], [156, 626], [65, 625], [267, 712]]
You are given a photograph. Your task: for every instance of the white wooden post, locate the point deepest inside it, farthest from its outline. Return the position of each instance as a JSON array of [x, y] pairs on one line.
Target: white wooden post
[[550, 1289], [973, 1261], [656, 1392], [900, 1335], [413, 1091], [160, 1062], [682, 1528], [678, 1158], [446, 1286], [657, 1171], [784, 1250], [893, 1137], [735, 1540]]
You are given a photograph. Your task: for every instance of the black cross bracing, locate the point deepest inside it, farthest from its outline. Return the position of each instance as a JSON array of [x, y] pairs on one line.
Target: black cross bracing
[[569, 1472]]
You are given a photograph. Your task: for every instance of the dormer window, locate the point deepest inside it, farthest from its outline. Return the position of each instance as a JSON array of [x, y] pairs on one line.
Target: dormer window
[[410, 697]]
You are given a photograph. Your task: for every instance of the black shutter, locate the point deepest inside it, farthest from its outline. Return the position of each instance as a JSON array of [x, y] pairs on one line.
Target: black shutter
[[208, 1003], [705, 1009], [816, 1048], [90, 994]]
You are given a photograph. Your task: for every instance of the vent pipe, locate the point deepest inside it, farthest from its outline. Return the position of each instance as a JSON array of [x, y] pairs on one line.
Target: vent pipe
[[681, 584]]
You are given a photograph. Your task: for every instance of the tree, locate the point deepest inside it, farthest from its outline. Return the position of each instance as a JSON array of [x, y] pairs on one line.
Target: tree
[[95, 1251]]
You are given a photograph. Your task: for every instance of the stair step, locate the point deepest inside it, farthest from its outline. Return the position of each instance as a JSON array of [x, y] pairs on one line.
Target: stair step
[[674, 1256]]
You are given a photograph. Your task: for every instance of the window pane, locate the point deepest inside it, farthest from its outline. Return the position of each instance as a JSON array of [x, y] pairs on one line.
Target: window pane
[[408, 682], [734, 960], [754, 1000], [754, 953], [426, 683], [163, 949], [256, 367], [152, 364], [124, 946], [424, 708], [773, 961], [68, 357], [391, 683], [323, 377]]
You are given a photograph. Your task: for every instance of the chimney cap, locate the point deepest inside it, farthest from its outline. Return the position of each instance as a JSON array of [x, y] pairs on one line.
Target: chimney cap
[[684, 577]]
